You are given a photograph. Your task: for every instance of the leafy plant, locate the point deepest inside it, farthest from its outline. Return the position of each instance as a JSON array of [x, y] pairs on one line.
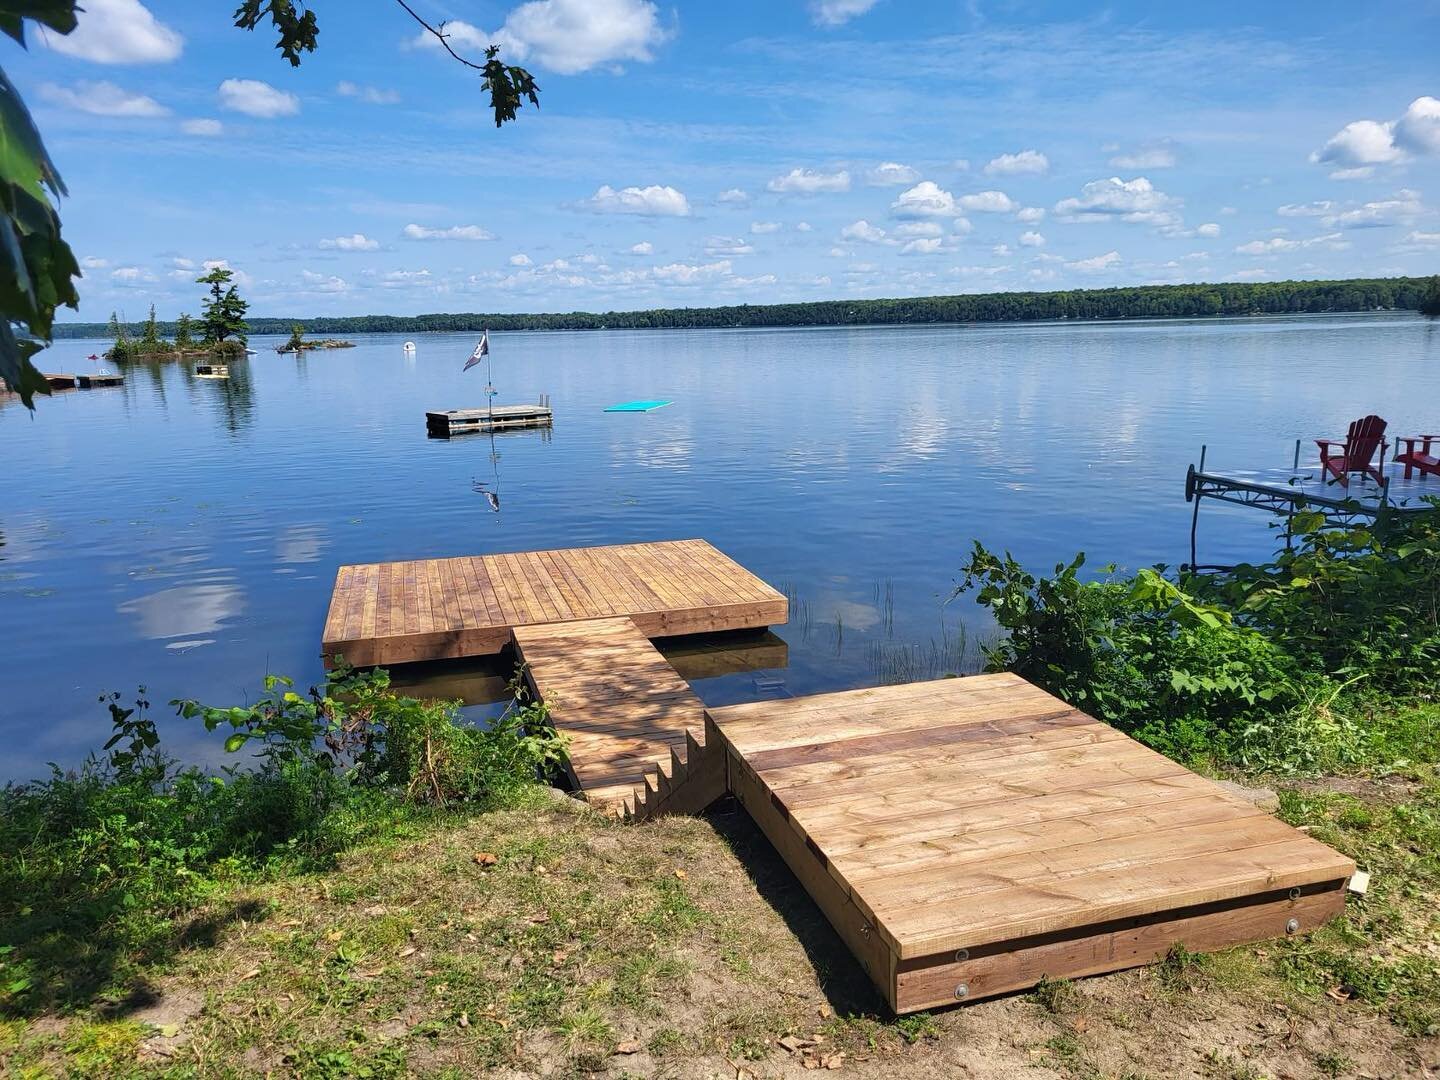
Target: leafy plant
[[1261, 664]]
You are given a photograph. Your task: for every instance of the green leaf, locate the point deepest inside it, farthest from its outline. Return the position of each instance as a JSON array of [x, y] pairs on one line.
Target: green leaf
[[235, 742]]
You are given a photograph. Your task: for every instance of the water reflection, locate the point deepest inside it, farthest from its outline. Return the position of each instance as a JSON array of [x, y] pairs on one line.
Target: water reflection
[[486, 680], [186, 610], [300, 544]]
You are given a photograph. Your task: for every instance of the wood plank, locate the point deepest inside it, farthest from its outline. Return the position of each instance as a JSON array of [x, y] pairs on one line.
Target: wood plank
[[1003, 967]]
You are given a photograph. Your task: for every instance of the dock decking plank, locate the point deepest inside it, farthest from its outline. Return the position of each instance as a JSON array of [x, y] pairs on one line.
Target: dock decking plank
[[622, 707], [433, 609], [986, 816]]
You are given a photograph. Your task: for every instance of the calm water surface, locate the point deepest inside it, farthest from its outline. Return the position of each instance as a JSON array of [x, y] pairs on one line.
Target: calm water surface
[[184, 533]]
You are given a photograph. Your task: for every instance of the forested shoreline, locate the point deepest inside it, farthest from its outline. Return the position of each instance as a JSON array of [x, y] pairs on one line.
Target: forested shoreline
[[1147, 301]]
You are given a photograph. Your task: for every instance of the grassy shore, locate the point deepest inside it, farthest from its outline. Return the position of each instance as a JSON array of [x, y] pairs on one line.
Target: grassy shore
[[540, 938]]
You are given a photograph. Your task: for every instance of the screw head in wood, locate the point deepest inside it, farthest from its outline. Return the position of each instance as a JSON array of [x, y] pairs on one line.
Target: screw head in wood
[[1292, 926], [961, 955], [962, 991]]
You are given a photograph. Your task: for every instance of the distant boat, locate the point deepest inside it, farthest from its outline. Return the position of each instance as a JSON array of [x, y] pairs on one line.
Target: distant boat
[[409, 346], [92, 356], [251, 352]]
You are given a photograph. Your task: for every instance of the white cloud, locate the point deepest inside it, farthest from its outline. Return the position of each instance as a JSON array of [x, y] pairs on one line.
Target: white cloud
[[203, 127], [810, 182], [961, 164], [117, 32], [371, 95], [922, 245], [1154, 156], [1254, 274], [804, 226], [1032, 239], [1136, 201], [761, 228], [130, 275], [863, 230], [354, 242], [891, 174], [838, 12], [1210, 229], [1356, 149], [255, 98], [1096, 263], [323, 283], [1029, 215], [727, 245], [181, 263], [653, 201], [453, 232], [1026, 162], [918, 228], [734, 195], [988, 202], [925, 199], [691, 274], [1277, 245], [519, 259], [566, 36], [1418, 237], [642, 248], [1400, 209], [92, 262], [1310, 209], [102, 99], [1418, 131]]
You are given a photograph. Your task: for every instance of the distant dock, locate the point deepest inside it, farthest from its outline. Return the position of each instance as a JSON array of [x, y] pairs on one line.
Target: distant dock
[[501, 417], [91, 382], [61, 381]]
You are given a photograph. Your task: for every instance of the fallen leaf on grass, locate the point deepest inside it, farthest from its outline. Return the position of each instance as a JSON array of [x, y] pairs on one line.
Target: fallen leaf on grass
[[680, 874], [409, 950], [793, 1043], [334, 935], [375, 910], [1342, 992], [485, 858], [627, 1048], [249, 975], [464, 1020], [370, 974], [825, 1011]]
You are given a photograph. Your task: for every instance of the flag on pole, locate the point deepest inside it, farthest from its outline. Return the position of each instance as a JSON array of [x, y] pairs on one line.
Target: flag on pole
[[482, 350]]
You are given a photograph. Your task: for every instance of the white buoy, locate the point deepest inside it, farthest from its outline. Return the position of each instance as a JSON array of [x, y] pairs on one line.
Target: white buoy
[[409, 346]]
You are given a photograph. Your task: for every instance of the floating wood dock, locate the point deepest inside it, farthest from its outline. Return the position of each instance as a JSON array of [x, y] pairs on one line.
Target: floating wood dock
[[965, 837], [433, 609], [60, 381], [500, 418], [91, 382]]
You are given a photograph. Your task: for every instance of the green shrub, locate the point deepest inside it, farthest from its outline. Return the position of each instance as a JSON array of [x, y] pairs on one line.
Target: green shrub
[[99, 861], [1267, 665]]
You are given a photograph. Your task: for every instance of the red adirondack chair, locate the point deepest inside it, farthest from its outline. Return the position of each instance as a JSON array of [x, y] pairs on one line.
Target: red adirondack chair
[[1363, 443], [1419, 458]]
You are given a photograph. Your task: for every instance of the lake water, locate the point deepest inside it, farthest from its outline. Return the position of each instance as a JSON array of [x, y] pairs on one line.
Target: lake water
[[184, 533]]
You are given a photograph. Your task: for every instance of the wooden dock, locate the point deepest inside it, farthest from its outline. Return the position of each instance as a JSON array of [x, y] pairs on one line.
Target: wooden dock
[[500, 418], [433, 609], [91, 382], [967, 837], [60, 381]]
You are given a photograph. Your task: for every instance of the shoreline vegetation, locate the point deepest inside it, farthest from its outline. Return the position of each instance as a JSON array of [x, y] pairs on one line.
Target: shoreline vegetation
[[388, 891], [1135, 302], [306, 346]]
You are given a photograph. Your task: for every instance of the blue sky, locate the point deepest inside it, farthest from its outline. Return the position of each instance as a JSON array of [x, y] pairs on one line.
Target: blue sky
[[706, 153]]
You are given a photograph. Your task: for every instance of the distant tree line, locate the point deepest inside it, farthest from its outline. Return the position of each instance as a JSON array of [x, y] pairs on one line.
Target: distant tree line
[[1144, 301]]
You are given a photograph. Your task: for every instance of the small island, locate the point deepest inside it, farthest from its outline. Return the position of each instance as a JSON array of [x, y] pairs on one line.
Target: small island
[[221, 326], [298, 344]]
